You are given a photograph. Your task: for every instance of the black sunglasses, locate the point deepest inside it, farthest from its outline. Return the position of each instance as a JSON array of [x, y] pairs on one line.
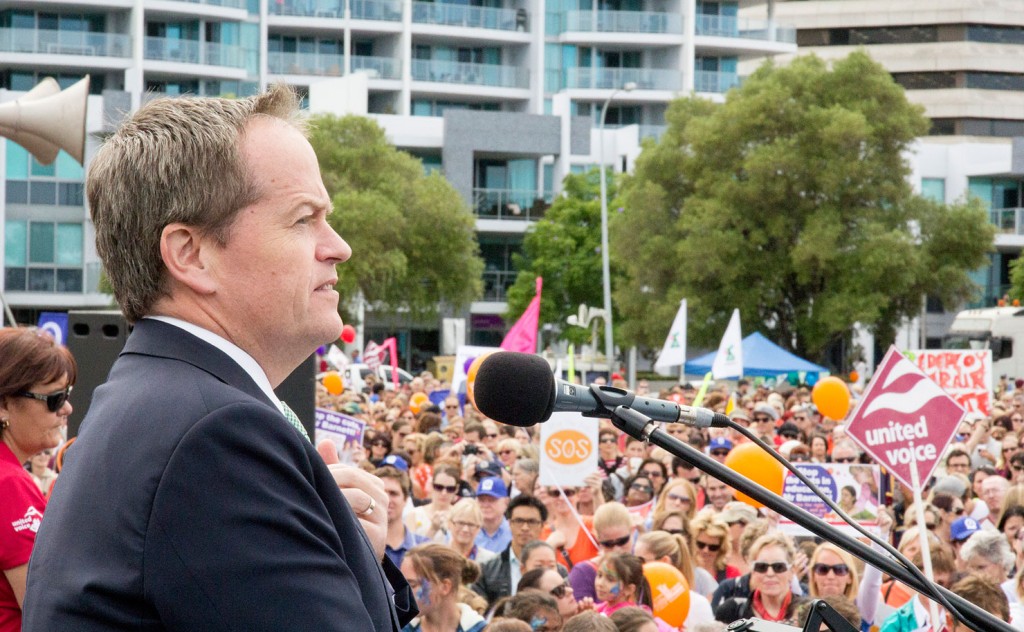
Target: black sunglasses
[[610, 544], [559, 591], [840, 570], [711, 547], [54, 401], [777, 567], [846, 459], [451, 489]]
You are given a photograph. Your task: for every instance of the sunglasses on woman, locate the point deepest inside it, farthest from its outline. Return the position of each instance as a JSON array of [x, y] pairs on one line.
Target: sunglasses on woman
[[840, 570], [611, 544], [54, 401], [559, 591], [777, 567], [451, 489], [710, 547]]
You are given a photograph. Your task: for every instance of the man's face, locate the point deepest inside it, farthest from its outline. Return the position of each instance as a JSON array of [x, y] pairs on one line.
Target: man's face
[[959, 464], [993, 490], [491, 508], [396, 499], [718, 493], [271, 286], [526, 525]]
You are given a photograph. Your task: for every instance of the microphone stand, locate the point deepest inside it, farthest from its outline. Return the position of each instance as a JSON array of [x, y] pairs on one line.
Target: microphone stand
[[640, 426]]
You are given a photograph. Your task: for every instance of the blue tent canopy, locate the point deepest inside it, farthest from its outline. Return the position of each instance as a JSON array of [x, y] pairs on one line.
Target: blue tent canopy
[[761, 358]]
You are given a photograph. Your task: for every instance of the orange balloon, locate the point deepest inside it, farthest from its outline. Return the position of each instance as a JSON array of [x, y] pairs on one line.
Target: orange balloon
[[854, 376], [751, 461], [471, 376], [669, 592], [333, 383], [417, 401], [832, 397]]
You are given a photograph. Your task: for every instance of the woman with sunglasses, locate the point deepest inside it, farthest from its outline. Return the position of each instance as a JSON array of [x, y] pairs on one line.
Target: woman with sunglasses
[[379, 447], [573, 541], [658, 546], [613, 526], [950, 508], [677, 495], [711, 545], [772, 577], [639, 494], [550, 582], [430, 520], [36, 376]]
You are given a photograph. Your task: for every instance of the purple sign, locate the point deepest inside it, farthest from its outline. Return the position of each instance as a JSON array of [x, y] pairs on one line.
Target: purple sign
[[340, 428]]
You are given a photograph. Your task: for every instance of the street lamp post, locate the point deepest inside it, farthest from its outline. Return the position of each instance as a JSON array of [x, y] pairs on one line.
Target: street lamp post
[[606, 278]]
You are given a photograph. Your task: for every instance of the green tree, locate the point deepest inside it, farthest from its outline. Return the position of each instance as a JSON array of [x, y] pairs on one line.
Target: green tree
[[413, 238], [564, 248], [791, 202]]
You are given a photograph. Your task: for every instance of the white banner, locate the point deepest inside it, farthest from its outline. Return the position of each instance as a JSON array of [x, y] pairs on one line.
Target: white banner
[[674, 351], [568, 449], [729, 360]]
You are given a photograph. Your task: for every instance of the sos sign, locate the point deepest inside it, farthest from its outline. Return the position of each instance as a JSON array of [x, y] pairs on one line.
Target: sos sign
[[568, 447]]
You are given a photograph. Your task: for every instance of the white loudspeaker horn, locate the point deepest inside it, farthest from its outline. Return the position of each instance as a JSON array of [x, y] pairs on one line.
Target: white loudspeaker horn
[[47, 119]]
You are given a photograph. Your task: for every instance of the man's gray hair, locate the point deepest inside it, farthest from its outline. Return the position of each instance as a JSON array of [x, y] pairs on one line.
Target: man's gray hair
[[990, 545], [176, 160]]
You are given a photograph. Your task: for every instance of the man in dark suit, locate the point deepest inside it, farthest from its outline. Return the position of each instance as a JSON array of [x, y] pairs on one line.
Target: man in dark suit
[[192, 499]]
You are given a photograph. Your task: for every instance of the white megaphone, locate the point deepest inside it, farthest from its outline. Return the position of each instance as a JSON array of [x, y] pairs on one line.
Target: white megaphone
[[47, 119]]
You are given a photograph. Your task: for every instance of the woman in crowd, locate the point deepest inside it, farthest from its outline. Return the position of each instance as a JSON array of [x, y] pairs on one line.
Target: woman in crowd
[[36, 376], [633, 619], [379, 447], [551, 582], [620, 583], [711, 546], [833, 572], [464, 521], [771, 577], [658, 546], [420, 471], [950, 508], [429, 520], [524, 477], [737, 515], [613, 526], [573, 541], [656, 472], [639, 494], [42, 474], [677, 495], [507, 451], [435, 573], [819, 448]]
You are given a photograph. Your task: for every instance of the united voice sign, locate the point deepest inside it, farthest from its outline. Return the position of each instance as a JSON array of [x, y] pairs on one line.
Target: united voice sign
[[903, 418]]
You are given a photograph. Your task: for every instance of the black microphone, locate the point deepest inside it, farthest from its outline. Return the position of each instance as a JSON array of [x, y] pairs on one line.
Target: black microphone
[[518, 389]]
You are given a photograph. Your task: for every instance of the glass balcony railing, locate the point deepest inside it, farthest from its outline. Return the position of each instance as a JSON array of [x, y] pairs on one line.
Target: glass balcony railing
[[510, 204], [714, 81], [727, 26], [325, 64], [231, 4], [473, 74], [55, 42], [1008, 221], [623, 22], [497, 283], [463, 15], [612, 78], [652, 131], [387, 10], [193, 52]]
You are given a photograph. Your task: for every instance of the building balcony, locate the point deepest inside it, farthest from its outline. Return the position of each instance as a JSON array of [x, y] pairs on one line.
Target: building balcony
[[54, 42], [497, 283], [194, 52], [471, 74], [714, 81], [510, 204], [614, 78], [228, 4], [1008, 221], [331, 65], [446, 14], [622, 22], [387, 10], [652, 131], [727, 26]]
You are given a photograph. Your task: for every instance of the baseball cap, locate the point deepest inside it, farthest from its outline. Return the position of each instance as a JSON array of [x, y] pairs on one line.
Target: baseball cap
[[719, 443], [963, 528], [741, 414], [490, 468], [492, 486], [395, 461], [767, 409], [789, 430], [952, 485]]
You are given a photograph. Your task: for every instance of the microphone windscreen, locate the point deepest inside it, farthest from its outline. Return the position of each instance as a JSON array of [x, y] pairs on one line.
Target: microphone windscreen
[[517, 389]]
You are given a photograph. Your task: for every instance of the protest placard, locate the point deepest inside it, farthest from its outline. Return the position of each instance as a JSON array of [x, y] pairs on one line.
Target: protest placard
[[340, 428], [568, 449], [854, 487], [965, 374]]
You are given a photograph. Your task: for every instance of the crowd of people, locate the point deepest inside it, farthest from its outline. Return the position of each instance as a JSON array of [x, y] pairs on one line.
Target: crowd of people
[[460, 482]]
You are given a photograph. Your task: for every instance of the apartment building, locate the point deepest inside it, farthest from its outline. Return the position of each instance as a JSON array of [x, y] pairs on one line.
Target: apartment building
[[504, 96]]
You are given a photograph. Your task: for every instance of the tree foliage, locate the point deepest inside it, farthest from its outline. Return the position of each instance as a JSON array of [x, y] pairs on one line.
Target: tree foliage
[[791, 202], [564, 248], [413, 238]]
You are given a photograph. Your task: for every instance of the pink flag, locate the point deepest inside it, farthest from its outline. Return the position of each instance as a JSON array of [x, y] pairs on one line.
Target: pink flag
[[523, 335]]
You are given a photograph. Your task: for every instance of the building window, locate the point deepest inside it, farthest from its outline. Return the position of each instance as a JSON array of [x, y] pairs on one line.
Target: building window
[[43, 256], [934, 189]]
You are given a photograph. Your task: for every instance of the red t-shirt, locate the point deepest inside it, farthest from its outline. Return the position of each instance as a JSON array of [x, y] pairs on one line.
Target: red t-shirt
[[20, 515]]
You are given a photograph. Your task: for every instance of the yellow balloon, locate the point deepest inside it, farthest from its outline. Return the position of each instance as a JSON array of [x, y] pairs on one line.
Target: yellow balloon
[[471, 376], [832, 397], [670, 593], [333, 383], [417, 401]]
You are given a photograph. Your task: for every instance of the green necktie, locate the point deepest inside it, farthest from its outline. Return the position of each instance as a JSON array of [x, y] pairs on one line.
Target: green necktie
[[293, 419]]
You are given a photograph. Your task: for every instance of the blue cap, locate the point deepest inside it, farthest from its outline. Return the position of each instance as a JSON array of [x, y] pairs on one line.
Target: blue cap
[[395, 461], [963, 528], [492, 486], [719, 443]]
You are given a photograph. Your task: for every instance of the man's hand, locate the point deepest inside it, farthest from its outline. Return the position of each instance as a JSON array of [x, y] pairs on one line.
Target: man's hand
[[359, 488]]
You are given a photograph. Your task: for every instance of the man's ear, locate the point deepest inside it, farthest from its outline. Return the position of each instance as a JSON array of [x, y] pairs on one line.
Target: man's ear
[[186, 255]]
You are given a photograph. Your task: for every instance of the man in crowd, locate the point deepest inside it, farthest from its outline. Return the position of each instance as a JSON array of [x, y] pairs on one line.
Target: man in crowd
[[500, 576], [398, 489], [492, 496]]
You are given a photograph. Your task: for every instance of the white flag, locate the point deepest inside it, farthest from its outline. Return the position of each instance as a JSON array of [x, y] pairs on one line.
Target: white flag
[[729, 361], [674, 351]]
